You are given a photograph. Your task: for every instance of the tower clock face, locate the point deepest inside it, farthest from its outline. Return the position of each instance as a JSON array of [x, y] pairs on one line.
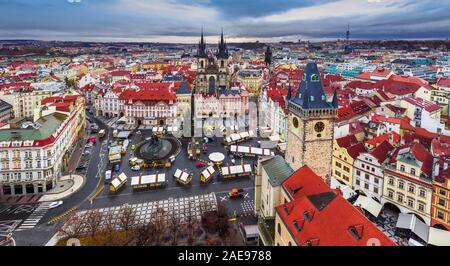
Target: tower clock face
[[319, 127], [295, 122]]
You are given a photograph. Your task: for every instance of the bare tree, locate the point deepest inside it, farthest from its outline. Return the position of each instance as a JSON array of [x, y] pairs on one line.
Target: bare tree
[[212, 240], [74, 227], [93, 221], [191, 223], [158, 225], [127, 218], [144, 235], [174, 224]]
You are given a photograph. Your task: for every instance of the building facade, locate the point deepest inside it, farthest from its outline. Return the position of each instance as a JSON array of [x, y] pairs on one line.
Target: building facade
[[408, 180], [32, 159]]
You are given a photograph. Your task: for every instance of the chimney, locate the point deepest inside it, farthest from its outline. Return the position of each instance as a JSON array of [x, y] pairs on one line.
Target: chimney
[[436, 166]]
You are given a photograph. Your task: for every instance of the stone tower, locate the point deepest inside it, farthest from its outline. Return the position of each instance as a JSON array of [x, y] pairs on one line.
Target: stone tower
[[311, 125]]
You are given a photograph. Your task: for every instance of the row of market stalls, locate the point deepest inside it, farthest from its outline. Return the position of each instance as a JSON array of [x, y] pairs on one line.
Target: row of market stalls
[[251, 151], [238, 137], [148, 181], [236, 170], [160, 130], [184, 177]]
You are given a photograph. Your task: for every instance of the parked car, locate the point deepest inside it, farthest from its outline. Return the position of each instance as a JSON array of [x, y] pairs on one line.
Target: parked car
[[55, 204], [86, 152], [117, 167], [200, 164], [81, 167], [108, 175], [136, 168], [236, 193], [172, 158]]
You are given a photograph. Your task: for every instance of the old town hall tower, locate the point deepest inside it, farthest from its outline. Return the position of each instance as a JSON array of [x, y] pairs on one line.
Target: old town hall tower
[[311, 125]]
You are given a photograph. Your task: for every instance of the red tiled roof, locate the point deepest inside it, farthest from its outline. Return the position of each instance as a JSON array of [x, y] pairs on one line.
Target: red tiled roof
[[51, 99], [355, 150], [330, 217], [420, 153], [380, 72], [347, 141], [429, 106], [148, 95], [304, 182], [120, 73], [385, 137], [444, 82], [381, 151]]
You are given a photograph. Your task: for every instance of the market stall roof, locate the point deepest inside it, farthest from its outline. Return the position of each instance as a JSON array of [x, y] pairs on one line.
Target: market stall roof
[[119, 180], [208, 171], [123, 134], [439, 237], [411, 222], [369, 204], [216, 157], [275, 138]]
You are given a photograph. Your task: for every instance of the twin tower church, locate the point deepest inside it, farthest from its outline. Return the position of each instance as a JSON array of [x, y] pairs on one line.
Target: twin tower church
[[311, 114]]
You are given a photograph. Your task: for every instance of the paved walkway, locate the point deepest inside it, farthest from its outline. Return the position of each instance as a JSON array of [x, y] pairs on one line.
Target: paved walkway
[[66, 187]]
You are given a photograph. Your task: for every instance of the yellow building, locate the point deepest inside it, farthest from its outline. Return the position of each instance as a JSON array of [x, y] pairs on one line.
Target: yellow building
[[408, 180], [157, 65], [440, 96], [251, 79], [440, 205], [345, 151]]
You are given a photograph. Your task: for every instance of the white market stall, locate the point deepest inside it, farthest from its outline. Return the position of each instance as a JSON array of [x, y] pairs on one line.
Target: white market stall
[[207, 174], [118, 182], [236, 170], [251, 151], [182, 177]]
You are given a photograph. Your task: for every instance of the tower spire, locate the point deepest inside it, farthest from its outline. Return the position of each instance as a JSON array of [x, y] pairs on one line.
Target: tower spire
[[201, 46]]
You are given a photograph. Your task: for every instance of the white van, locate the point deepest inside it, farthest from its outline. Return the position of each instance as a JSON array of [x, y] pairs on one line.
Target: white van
[[108, 176]]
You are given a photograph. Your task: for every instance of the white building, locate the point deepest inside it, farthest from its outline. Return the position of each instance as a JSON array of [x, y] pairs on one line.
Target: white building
[[33, 158]]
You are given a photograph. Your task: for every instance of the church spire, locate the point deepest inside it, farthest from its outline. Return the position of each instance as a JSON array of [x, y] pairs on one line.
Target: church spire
[[268, 56], [222, 52], [334, 103], [289, 93], [202, 46]]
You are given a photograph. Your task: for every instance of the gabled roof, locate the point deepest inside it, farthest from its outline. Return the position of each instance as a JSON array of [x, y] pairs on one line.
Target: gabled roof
[[419, 152], [319, 216], [347, 141], [304, 182], [381, 151], [355, 150], [392, 136], [277, 169], [428, 106]]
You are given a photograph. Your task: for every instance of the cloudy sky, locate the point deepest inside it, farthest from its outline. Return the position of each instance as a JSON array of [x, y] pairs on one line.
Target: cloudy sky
[[242, 20]]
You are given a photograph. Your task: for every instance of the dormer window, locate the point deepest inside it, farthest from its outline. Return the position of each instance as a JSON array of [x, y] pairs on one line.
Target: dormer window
[[356, 231], [314, 78]]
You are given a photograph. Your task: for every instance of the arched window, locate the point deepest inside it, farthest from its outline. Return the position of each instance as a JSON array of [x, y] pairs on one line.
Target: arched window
[[314, 77]]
